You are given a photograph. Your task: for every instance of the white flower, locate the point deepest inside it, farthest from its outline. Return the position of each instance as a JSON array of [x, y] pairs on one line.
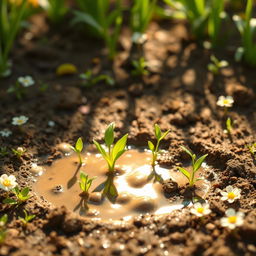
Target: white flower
[[51, 123], [225, 101], [201, 209], [7, 182], [21, 150], [139, 38], [233, 219], [5, 133], [19, 120], [230, 194], [26, 81]]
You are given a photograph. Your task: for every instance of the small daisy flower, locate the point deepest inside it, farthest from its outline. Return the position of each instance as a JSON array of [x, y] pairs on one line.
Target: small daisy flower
[[201, 209], [226, 102], [21, 150], [51, 123], [7, 182], [233, 219], [26, 81], [230, 194], [19, 120], [5, 133]]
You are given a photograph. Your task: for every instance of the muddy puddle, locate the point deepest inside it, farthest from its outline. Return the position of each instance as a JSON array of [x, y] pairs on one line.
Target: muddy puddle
[[134, 181]]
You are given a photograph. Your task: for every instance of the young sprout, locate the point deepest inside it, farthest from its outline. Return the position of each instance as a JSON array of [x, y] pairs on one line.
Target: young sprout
[[140, 67], [78, 149], [252, 148], [196, 164], [27, 218], [3, 151], [114, 151], [216, 65], [230, 194], [3, 221], [22, 195], [233, 219], [155, 150], [85, 183], [19, 152], [89, 79], [229, 126]]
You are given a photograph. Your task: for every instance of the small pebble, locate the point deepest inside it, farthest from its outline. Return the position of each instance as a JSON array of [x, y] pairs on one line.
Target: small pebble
[[58, 189]]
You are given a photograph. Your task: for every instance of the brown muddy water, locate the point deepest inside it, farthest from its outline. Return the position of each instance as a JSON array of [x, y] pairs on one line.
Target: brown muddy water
[[59, 185]]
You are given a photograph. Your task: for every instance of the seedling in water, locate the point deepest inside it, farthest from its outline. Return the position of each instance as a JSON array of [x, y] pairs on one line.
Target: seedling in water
[[155, 151], [196, 164], [85, 183], [78, 149], [22, 195], [3, 231], [216, 65], [140, 67], [114, 151], [89, 79], [27, 218]]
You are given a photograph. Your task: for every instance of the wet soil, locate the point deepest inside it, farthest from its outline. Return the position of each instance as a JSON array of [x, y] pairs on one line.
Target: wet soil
[[179, 94]]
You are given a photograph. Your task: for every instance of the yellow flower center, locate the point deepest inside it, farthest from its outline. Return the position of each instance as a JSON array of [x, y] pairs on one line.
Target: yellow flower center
[[7, 183], [231, 195], [200, 210], [20, 121], [232, 219], [225, 102]]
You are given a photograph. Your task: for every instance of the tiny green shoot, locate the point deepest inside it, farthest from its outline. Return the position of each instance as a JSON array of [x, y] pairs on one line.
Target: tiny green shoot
[[114, 151], [229, 125], [3, 151], [27, 218], [155, 150], [3, 230], [252, 148], [216, 65], [196, 164], [140, 67], [22, 195], [89, 79], [85, 183], [19, 152], [78, 149]]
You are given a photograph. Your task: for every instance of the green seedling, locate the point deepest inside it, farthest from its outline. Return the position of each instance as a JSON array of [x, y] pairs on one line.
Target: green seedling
[[140, 67], [247, 29], [11, 16], [78, 149], [204, 17], [141, 14], [155, 151], [56, 10], [3, 151], [27, 218], [196, 164], [22, 195], [252, 148], [19, 152], [89, 79], [114, 151], [229, 125], [85, 183], [104, 18], [216, 65], [3, 230]]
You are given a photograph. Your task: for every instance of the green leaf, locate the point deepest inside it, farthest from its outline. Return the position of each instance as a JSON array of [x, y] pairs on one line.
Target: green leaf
[[24, 192], [101, 149], [109, 135], [119, 147], [184, 172], [158, 132], [164, 135], [151, 146], [9, 201], [112, 190], [79, 145], [4, 219], [199, 162], [187, 151]]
